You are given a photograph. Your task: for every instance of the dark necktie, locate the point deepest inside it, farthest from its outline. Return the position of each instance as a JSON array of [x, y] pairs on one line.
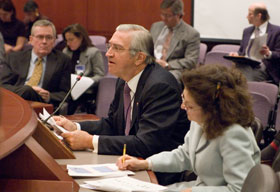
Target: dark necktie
[[127, 108], [37, 73]]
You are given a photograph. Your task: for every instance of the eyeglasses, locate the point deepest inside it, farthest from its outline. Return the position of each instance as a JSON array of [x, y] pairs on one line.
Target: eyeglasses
[[115, 47], [189, 107], [167, 16], [42, 37]]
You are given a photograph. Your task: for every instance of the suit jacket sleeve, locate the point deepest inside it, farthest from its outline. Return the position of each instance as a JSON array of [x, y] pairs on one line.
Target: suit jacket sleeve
[[12, 76]]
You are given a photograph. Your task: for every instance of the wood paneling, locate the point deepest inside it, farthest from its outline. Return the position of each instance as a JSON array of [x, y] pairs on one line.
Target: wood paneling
[[101, 17]]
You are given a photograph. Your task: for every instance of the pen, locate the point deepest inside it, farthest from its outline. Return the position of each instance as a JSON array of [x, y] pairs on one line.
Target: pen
[[124, 152]]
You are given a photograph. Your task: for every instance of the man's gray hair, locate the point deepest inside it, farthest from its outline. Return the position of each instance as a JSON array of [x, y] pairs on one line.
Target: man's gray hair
[[177, 6], [43, 23], [141, 41]]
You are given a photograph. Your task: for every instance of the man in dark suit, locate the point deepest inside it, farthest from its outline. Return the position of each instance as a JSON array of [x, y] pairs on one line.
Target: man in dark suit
[[182, 51], [157, 123], [54, 80], [269, 69]]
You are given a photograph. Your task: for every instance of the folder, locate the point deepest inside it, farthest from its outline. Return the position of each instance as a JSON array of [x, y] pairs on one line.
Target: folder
[[242, 60]]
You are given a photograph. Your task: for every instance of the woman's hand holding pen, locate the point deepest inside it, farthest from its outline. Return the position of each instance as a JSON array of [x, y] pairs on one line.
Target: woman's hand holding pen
[[131, 163]]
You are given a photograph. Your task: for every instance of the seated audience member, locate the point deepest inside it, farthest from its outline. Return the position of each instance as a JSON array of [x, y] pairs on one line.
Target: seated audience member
[[176, 43], [220, 146], [269, 68], [85, 56], [41, 73], [2, 50], [145, 113], [31, 15], [11, 28]]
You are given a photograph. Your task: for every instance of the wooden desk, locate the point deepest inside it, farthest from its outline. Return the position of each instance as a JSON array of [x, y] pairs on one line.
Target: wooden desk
[[24, 164], [38, 107], [88, 157]]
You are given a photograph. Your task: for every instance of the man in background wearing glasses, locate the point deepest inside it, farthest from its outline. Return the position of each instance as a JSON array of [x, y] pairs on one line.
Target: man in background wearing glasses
[[41, 73], [151, 122], [176, 43]]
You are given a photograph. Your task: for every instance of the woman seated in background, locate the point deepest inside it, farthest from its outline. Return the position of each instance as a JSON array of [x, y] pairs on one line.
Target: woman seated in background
[[12, 29], [85, 57], [220, 147]]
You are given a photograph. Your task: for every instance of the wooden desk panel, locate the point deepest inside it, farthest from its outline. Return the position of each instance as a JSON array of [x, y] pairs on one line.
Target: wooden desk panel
[[38, 107]]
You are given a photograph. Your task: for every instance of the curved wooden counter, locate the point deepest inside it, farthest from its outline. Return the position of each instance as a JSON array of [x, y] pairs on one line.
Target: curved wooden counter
[[24, 164]]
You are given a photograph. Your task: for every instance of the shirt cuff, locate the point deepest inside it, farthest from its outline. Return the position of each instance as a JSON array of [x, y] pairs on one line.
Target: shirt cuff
[[150, 165], [78, 126], [95, 139], [269, 55]]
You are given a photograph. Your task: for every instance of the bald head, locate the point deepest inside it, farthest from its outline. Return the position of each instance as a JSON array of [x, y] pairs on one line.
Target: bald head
[[258, 5], [259, 10]]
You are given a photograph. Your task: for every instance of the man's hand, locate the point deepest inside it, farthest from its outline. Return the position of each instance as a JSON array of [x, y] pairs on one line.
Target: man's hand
[[65, 123], [265, 51], [43, 93], [78, 140], [233, 54]]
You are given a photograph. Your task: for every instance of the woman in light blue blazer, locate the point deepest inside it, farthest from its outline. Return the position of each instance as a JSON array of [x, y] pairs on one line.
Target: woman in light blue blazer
[[85, 57], [220, 147]]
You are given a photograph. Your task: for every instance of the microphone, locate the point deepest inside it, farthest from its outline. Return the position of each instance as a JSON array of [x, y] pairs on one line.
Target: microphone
[[80, 75]]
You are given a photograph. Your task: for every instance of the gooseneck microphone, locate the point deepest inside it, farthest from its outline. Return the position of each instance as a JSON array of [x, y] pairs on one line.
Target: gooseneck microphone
[[64, 99]]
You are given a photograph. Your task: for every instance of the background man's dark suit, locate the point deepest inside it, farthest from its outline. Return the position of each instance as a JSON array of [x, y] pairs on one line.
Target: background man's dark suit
[[273, 42], [56, 78], [158, 123]]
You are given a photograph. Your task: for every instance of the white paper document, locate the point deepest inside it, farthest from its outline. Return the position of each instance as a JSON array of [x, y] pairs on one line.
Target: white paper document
[[96, 170], [51, 121], [123, 184], [81, 86], [257, 44]]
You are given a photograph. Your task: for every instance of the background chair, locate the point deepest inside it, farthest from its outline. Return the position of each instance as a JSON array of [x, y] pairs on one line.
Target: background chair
[[105, 95], [257, 128], [226, 48], [267, 89], [202, 53], [261, 106], [217, 57], [99, 42], [261, 178]]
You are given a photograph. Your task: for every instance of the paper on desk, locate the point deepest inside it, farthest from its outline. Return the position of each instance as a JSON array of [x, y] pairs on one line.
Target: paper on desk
[[51, 121], [96, 170], [81, 86], [255, 49], [123, 184]]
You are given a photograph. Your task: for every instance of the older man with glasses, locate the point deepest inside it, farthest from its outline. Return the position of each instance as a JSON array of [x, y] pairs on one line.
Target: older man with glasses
[[41, 73], [176, 42]]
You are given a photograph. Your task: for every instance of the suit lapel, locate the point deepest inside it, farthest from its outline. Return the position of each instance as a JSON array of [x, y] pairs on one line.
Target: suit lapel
[[269, 31], [50, 69], [139, 90], [174, 41], [25, 59]]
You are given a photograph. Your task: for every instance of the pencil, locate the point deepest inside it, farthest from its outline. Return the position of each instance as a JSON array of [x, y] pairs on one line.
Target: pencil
[[124, 152]]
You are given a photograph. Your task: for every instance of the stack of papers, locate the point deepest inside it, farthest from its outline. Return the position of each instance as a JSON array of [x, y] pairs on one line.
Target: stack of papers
[[123, 184], [96, 170]]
